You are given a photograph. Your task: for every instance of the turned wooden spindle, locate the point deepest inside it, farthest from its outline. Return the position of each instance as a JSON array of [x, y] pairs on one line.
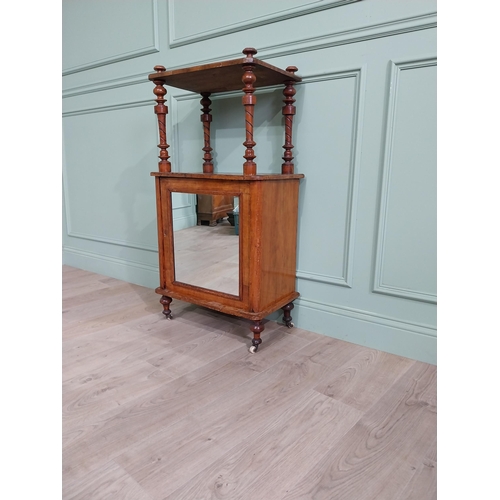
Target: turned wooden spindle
[[288, 112], [249, 100], [206, 118], [161, 111]]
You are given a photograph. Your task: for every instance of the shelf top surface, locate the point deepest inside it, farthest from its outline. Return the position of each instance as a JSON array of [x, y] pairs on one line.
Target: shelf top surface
[[223, 76], [228, 177]]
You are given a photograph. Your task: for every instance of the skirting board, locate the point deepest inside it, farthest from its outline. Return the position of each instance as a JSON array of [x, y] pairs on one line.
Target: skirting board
[[125, 270], [395, 337]]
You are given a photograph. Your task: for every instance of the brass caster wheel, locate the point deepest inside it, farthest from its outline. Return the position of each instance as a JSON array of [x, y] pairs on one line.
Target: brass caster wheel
[[252, 349], [290, 325]]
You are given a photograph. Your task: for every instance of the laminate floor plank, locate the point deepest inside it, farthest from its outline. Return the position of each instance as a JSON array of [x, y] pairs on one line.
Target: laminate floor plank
[[110, 482], [108, 389], [378, 457], [423, 485], [265, 460], [92, 304], [156, 409], [263, 400], [121, 315], [150, 413], [362, 381]]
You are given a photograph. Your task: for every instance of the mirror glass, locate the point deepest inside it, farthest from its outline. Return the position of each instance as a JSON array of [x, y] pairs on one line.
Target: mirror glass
[[206, 253]]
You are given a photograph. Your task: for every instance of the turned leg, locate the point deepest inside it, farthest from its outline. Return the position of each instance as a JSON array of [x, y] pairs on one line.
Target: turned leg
[[257, 328], [165, 301], [287, 319]]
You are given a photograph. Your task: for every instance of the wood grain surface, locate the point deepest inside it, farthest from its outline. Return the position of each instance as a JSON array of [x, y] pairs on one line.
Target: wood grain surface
[[156, 409]]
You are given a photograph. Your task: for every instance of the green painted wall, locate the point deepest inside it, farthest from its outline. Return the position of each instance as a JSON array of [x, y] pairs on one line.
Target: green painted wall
[[365, 137]]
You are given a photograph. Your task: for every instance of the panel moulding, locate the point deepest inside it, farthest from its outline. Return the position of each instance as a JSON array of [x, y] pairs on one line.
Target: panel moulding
[[345, 279], [82, 235], [354, 35], [251, 22], [143, 51], [77, 234], [378, 285], [112, 84]]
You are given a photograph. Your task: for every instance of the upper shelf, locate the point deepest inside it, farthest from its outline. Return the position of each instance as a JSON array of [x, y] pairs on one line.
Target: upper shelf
[[224, 76]]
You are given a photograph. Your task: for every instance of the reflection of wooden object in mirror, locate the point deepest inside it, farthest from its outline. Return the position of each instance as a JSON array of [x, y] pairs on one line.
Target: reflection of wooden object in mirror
[[208, 257], [212, 207], [268, 204]]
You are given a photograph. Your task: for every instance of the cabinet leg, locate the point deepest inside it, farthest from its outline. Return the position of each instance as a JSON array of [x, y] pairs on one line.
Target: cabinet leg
[[257, 328], [287, 318], [165, 302]]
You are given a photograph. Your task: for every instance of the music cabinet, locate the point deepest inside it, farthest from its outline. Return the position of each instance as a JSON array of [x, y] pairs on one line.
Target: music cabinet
[[268, 203]]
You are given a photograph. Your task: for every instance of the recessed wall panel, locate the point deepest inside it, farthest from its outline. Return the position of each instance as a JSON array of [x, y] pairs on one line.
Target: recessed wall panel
[[195, 20], [101, 32], [109, 193], [327, 200], [406, 253]]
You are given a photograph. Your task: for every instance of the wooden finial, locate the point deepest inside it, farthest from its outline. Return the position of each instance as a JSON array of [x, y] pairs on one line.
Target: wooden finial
[[161, 112], [249, 52]]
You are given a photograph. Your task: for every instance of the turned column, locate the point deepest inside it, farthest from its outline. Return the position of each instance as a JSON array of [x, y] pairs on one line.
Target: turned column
[[206, 118], [161, 112], [249, 100], [288, 112]]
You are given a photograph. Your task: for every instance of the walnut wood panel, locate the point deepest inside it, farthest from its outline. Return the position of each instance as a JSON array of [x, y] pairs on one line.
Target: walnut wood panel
[[279, 239], [222, 76]]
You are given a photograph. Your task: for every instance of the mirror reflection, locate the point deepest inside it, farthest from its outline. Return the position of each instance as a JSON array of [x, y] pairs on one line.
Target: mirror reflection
[[207, 253]]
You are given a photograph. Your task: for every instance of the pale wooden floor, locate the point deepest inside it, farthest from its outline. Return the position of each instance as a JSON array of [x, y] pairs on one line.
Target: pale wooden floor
[[208, 257], [158, 409]]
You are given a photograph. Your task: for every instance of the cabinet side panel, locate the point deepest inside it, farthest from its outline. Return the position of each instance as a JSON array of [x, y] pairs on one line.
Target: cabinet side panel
[[279, 240]]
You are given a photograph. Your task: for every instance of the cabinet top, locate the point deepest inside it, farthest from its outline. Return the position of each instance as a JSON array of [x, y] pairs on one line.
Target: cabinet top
[[224, 76]]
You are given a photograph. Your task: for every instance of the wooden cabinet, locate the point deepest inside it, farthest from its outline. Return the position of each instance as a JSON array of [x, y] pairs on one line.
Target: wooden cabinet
[[265, 262], [210, 208]]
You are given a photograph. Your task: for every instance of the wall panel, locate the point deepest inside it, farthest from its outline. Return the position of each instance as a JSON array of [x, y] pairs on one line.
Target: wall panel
[[97, 33], [327, 207], [196, 20], [406, 250]]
